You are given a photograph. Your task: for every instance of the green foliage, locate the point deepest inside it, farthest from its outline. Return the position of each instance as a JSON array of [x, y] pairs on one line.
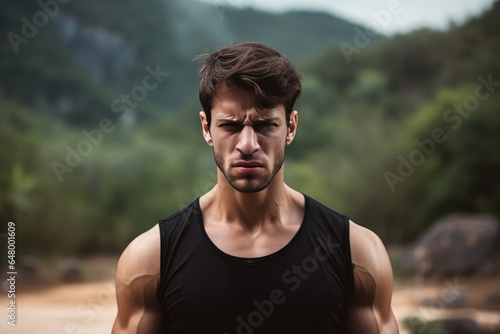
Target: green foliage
[[396, 92], [20, 186], [355, 121], [417, 325]]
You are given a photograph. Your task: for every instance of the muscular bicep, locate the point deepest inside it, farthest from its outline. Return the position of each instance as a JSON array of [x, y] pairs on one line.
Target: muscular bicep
[[370, 307], [136, 288], [138, 309]]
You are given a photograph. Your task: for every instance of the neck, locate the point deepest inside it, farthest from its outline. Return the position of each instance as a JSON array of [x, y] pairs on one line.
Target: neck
[[250, 210]]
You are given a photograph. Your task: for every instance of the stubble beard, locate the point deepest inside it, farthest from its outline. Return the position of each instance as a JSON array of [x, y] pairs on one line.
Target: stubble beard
[[249, 187]]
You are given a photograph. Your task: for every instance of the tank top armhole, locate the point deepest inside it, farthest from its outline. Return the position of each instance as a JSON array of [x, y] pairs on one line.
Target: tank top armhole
[[161, 283], [349, 263], [166, 227]]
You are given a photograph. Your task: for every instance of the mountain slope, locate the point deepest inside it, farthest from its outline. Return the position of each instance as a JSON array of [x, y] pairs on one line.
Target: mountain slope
[[92, 52]]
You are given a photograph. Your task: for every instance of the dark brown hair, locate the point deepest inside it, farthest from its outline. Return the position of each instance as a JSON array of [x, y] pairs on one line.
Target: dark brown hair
[[254, 66]]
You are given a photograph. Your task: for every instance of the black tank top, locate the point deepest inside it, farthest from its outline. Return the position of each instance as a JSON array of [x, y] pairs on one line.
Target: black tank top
[[302, 288]]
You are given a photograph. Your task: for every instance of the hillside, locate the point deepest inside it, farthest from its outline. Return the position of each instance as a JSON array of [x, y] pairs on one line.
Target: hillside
[[359, 122], [92, 52], [200, 27]]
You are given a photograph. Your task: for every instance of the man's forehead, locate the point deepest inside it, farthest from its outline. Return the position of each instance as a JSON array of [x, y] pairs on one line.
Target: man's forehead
[[237, 103], [267, 114]]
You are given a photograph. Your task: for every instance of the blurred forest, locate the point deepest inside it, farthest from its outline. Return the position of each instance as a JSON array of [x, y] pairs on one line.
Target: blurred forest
[[404, 133]]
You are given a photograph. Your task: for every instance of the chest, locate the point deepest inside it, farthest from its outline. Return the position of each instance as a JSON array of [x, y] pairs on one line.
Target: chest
[[237, 243], [295, 288]]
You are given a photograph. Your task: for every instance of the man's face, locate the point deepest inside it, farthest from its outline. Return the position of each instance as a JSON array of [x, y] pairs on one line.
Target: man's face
[[249, 146]]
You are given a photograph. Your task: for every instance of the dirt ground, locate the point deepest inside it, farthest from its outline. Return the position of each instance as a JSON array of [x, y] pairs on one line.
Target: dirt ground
[[81, 308]]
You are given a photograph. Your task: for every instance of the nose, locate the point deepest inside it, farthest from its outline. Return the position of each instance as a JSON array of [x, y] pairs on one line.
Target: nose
[[248, 142]]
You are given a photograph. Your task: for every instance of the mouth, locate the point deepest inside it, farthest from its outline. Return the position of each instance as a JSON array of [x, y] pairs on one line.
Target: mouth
[[248, 167], [248, 164]]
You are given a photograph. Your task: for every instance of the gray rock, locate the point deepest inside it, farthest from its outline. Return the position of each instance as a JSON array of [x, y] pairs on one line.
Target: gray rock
[[30, 271], [455, 244], [71, 271], [29, 265], [493, 301]]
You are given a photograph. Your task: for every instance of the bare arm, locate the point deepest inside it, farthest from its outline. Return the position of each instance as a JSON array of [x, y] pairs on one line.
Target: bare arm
[[370, 308], [137, 279]]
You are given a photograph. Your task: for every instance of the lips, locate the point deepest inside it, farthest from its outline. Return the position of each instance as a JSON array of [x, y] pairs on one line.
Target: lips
[[248, 164], [248, 167]]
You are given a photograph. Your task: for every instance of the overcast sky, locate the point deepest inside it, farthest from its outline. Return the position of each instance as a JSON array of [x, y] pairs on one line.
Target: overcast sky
[[407, 14]]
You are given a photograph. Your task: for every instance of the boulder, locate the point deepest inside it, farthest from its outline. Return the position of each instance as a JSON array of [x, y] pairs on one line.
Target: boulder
[[30, 271], [493, 301], [455, 244], [71, 271]]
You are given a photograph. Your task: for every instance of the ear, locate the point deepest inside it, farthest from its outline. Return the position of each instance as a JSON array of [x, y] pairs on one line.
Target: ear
[[206, 129], [292, 127]]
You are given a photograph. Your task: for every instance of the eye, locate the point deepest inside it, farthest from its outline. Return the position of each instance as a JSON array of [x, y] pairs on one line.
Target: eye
[[265, 127], [230, 126]]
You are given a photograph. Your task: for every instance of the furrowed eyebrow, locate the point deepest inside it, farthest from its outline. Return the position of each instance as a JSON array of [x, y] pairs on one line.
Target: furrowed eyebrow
[[228, 121], [265, 120], [257, 121]]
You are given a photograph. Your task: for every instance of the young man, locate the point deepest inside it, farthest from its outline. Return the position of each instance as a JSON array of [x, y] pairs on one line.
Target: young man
[[253, 255]]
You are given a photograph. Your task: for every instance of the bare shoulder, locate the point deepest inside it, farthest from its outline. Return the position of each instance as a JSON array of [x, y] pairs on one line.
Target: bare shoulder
[[367, 250], [370, 307], [137, 281], [141, 258]]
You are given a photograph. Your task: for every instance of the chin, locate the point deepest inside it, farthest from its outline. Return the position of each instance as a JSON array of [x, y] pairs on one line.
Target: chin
[[249, 188]]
